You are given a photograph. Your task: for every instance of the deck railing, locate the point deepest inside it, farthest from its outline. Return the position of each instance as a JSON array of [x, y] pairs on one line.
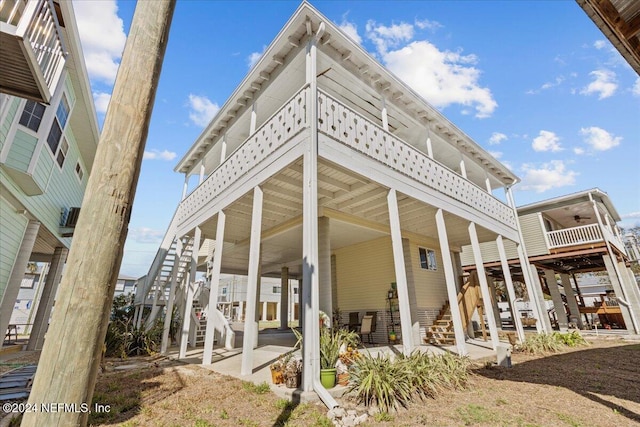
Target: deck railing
[[36, 22], [574, 236], [352, 129], [274, 133]]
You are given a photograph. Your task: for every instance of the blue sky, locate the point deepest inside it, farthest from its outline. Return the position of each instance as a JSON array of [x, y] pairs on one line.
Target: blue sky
[[534, 82]]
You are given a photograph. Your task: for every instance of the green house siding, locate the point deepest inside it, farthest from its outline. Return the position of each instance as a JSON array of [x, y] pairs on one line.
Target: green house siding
[[6, 123], [21, 151], [12, 229]]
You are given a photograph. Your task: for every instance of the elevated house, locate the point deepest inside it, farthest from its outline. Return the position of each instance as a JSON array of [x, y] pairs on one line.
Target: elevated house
[[323, 166], [565, 237], [48, 139]]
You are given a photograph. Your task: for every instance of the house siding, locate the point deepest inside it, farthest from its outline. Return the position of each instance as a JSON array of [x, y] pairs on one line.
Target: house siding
[[534, 234], [21, 151], [8, 120], [430, 285], [12, 228]]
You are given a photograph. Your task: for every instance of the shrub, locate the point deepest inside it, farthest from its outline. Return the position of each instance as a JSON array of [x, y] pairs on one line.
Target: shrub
[[540, 344], [571, 339]]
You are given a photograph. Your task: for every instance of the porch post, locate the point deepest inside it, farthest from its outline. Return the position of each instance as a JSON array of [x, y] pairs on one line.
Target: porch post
[[552, 284], [631, 287], [284, 298], [494, 301], [625, 306], [250, 321], [401, 274], [41, 321], [450, 279], [168, 316], [411, 291], [213, 291], [17, 273], [506, 272], [544, 314], [463, 168], [324, 266], [571, 299], [484, 287], [383, 113], [186, 321], [223, 148]]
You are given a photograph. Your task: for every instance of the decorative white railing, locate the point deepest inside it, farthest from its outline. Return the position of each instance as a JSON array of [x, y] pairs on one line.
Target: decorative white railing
[[350, 128], [36, 22], [274, 133], [574, 236]]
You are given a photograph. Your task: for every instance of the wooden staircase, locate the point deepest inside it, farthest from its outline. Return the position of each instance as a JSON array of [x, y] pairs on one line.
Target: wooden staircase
[[469, 300]]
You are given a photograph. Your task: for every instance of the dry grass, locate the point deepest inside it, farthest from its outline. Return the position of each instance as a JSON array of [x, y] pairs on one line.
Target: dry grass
[[598, 385]]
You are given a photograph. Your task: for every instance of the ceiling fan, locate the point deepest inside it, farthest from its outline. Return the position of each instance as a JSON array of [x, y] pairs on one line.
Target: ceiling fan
[[578, 218]]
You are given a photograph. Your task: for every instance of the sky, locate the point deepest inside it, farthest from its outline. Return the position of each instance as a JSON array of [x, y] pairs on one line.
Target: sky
[[535, 83]]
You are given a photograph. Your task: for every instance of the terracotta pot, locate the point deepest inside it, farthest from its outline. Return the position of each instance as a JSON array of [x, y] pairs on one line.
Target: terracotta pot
[[343, 379], [292, 381], [276, 376]]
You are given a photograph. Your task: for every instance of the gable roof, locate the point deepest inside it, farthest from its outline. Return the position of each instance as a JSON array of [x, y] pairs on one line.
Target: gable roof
[[353, 58]]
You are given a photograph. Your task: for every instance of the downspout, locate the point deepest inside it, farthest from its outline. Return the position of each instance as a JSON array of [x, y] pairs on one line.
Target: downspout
[[615, 266], [312, 317]]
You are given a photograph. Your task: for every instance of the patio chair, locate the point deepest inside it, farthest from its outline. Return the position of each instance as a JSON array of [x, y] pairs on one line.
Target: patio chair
[[365, 328], [354, 321], [373, 322]]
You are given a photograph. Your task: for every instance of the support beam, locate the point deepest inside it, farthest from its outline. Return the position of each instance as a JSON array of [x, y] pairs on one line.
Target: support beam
[[324, 265], [450, 278], [250, 324], [401, 274], [213, 290], [543, 320], [571, 300], [628, 315], [484, 287], [17, 273], [41, 322], [190, 287], [506, 272], [284, 298], [558, 304]]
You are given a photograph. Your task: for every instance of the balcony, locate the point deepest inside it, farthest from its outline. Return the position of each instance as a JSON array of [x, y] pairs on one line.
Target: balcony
[[347, 127], [582, 235], [32, 49]]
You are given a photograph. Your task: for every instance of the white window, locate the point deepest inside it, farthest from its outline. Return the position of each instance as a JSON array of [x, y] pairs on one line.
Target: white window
[[79, 171], [427, 259], [32, 115]]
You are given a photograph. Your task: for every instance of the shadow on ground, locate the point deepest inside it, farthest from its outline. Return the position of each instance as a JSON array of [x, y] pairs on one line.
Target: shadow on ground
[[592, 373]]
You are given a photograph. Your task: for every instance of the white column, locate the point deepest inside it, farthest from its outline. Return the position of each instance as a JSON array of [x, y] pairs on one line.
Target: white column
[[278, 310], [385, 118], [41, 321], [450, 279], [628, 315], [17, 273], [324, 259], [265, 308], [186, 321], [571, 299], [484, 287], [487, 183], [201, 177], [172, 296], [284, 298], [558, 304], [223, 148], [213, 292], [463, 168], [254, 117], [185, 186], [429, 148], [401, 274], [506, 271], [241, 311], [250, 325]]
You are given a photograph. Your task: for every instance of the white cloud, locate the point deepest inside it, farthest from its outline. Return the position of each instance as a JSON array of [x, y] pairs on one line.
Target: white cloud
[[145, 235], [604, 85], [102, 36], [578, 150], [496, 154], [202, 110], [546, 141], [635, 90], [441, 77], [630, 220], [429, 25], [599, 139], [351, 30], [496, 138], [101, 101], [255, 57], [159, 155], [600, 44], [385, 37], [549, 175]]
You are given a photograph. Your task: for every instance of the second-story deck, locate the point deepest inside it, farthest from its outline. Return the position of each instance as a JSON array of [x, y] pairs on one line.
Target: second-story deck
[[31, 47], [581, 236]]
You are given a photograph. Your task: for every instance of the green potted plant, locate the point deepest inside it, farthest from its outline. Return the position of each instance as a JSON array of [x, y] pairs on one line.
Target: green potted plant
[[329, 354]]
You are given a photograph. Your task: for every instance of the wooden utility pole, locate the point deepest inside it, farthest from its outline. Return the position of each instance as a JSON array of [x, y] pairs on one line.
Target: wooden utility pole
[[70, 358]]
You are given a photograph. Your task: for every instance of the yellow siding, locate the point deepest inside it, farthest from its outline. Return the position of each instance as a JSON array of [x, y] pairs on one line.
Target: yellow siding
[[430, 286], [364, 274]]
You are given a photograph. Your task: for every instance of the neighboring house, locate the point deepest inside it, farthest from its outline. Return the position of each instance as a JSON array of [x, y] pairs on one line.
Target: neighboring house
[[323, 166], [565, 238], [125, 285], [48, 139], [618, 20]]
